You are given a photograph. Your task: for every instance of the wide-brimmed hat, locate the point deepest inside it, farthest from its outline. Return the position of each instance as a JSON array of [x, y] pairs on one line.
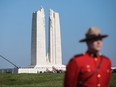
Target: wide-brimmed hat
[[93, 33]]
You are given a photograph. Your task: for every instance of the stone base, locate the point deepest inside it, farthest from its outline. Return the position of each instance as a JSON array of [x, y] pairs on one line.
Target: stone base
[[43, 69]]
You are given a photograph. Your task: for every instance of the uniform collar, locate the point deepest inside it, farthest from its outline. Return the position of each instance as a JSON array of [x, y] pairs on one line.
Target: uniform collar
[[93, 54]]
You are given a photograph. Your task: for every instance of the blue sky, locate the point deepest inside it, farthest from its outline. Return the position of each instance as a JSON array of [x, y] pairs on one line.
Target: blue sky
[[76, 16]]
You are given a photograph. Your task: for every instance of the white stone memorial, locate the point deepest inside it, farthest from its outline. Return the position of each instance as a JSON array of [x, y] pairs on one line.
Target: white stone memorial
[[40, 62]]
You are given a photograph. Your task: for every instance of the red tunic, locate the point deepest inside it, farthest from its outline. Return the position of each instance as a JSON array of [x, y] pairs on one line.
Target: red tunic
[[82, 66]]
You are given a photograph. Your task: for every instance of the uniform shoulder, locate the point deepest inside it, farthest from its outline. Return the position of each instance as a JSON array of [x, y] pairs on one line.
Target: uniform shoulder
[[107, 59], [103, 56], [75, 58], [78, 55]]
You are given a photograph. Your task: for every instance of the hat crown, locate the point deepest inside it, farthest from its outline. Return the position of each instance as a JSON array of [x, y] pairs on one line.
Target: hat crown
[[93, 31]]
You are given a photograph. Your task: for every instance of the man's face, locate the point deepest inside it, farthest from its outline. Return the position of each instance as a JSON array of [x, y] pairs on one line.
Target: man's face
[[95, 45]]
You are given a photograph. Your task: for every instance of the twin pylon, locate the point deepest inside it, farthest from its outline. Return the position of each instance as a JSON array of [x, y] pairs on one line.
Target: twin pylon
[[38, 46], [40, 60]]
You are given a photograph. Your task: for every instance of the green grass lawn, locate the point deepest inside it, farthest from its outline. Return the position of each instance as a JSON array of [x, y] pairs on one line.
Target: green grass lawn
[[37, 80]]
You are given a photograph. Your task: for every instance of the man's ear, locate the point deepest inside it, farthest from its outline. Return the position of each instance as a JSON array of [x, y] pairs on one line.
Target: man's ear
[[88, 43]]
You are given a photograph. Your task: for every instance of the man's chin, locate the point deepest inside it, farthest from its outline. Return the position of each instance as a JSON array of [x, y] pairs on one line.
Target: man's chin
[[98, 50]]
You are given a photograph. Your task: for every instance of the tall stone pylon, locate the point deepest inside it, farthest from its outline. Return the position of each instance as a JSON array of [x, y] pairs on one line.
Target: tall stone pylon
[[38, 43], [39, 61], [55, 51]]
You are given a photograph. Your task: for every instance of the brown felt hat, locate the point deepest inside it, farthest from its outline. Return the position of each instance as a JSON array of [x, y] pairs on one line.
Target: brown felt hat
[[93, 33]]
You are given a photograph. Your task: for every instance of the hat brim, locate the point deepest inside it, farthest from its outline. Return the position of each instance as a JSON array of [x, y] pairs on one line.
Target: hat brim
[[93, 38]]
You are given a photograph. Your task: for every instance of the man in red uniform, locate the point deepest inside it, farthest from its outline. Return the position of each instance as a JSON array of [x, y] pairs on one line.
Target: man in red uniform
[[90, 69]]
